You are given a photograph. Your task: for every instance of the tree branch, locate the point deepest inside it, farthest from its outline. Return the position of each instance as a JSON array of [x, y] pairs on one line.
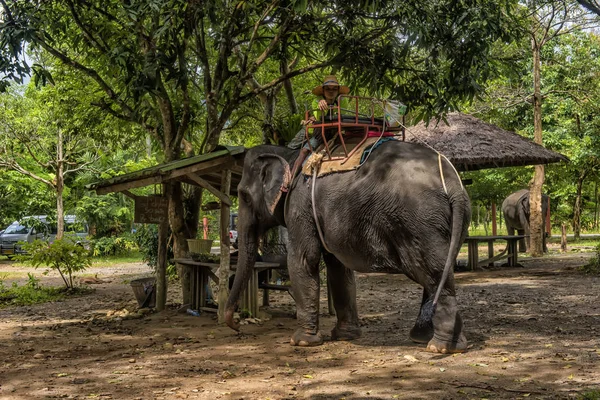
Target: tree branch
[[12, 164], [88, 35]]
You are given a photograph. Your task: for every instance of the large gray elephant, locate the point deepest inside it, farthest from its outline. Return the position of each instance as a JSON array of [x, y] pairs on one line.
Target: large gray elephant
[[403, 211], [516, 216]]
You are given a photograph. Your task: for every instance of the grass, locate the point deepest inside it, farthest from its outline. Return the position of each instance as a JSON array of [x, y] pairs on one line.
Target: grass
[[31, 292], [108, 261], [591, 395]]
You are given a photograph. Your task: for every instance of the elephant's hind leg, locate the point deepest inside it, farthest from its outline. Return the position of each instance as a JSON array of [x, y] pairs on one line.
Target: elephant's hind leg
[[343, 290], [422, 332], [448, 334]]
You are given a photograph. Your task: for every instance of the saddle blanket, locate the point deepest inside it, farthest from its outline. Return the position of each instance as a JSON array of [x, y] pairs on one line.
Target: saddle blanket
[[338, 162]]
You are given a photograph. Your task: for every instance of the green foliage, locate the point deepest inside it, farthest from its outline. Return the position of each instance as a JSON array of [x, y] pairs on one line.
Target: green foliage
[[109, 215], [63, 256], [147, 240], [113, 245], [591, 395], [286, 127], [20, 196], [29, 293]]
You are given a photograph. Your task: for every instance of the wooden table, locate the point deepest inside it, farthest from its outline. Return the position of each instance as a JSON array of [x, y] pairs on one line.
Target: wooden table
[[510, 252], [202, 271]]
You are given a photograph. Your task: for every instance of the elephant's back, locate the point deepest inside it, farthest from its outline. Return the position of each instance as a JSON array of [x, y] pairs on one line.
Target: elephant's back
[[515, 197], [399, 182]]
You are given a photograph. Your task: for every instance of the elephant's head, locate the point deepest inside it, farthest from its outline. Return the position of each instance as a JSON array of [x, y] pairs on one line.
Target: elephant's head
[[260, 193]]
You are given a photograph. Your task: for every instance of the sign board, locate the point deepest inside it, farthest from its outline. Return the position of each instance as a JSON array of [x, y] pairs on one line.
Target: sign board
[[151, 210]]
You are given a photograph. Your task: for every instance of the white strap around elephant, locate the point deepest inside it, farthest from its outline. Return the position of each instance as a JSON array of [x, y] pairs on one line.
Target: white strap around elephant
[[440, 155], [314, 184]]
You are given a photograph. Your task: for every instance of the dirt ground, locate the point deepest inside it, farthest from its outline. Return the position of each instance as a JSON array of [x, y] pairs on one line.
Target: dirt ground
[[533, 332]]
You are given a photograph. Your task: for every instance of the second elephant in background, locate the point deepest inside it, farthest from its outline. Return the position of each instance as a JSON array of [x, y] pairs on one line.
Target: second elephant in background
[[516, 215]]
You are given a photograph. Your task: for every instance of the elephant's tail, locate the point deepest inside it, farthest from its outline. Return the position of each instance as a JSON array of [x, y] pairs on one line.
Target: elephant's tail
[[459, 205]]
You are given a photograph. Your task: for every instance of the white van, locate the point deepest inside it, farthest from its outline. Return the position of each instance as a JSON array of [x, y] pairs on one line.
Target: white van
[[35, 227], [27, 230]]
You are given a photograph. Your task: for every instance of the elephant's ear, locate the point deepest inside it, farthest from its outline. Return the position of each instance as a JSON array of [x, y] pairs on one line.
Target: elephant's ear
[[525, 205], [275, 176]]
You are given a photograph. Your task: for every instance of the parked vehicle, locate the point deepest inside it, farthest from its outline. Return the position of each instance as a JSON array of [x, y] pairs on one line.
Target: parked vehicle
[[35, 227], [27, 230], [233, 234], [77, 230]]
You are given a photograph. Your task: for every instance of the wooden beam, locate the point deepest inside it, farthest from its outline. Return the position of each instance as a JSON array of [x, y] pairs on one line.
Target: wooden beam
[[129, 194], [198, 168], [119, 187], [201, 182]]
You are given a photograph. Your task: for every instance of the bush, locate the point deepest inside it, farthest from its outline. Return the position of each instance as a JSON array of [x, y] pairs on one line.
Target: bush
[[593, 267], [147, 240], [63, 255], [30, 293], [113, 246]]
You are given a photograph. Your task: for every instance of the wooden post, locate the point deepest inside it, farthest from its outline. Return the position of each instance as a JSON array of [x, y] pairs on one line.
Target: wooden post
[[494, 227], [224, 236], [563, 238], [205, 227], [161, 267]]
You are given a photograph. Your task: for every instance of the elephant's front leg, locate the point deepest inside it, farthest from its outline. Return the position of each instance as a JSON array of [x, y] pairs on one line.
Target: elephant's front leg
[[343, 289], [303, 267]]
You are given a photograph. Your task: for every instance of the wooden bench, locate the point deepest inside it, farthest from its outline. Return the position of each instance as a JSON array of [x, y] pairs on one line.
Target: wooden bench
[[510, 252], [203, 271]]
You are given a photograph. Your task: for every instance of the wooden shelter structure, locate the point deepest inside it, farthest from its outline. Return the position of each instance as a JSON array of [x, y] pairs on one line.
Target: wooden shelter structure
[[471, 144], [219, 172]]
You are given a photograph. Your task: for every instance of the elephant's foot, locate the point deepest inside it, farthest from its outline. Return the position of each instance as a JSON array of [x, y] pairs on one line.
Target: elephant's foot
[[346, 332], [421, 334], [436, 345], [305, 339]]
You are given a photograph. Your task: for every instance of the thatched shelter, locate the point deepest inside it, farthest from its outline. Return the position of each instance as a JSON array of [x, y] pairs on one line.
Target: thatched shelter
[[471, 144]]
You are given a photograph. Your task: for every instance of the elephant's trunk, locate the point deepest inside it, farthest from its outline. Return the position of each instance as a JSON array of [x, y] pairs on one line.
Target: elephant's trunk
[[248, 247]]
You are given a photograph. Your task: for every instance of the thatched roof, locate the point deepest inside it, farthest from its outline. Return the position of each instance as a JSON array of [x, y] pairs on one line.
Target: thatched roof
[[471, 144]]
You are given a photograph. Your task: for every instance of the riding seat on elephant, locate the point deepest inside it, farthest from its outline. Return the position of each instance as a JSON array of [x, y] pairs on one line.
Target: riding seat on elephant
[[403, 210]]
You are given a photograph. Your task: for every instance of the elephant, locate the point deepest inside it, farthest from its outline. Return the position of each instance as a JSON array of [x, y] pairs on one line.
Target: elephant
[[404, 210], [515, 208]]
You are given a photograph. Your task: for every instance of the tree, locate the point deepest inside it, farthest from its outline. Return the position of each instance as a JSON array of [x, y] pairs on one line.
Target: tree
[[162, 64], [519, 104], [43, 137]]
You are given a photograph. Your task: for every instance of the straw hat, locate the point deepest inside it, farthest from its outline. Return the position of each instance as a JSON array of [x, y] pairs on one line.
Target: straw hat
[[330, 80]]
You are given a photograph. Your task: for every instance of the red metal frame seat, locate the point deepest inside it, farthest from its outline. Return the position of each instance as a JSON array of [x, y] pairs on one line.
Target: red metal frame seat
[[341, 121]]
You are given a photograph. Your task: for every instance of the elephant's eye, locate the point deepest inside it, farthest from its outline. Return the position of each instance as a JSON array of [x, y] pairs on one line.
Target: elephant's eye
[[245, 197]]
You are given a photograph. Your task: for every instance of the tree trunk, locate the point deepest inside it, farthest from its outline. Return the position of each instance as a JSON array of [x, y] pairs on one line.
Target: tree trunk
[[536, 219], [287, 86], [225, 246], [577, 206], [596, 206], [161, 267], [267, 126], [60, 185], [563, 238]]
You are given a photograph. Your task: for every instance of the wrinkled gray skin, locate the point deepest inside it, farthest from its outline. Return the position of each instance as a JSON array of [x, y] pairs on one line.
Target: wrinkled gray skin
[[516, 216], [391, 215]]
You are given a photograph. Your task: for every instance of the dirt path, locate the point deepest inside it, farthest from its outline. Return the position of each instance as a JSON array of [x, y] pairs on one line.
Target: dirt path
[[534, 333]]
